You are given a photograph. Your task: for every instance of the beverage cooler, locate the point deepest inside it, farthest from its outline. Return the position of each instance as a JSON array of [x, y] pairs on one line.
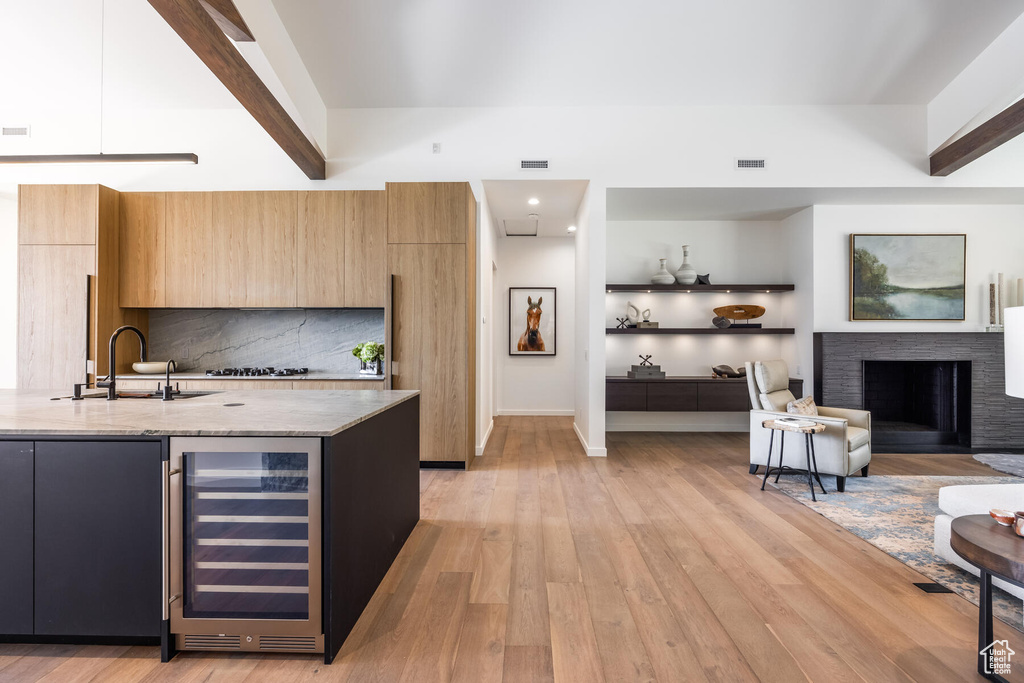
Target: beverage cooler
[[244, 544]]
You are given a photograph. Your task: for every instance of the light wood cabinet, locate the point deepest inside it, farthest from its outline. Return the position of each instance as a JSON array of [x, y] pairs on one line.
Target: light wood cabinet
[[57, 214], [321, 249], [366, 237], [59, 326], [340, 385], [191, 257], [430, 342], [428, 213], [142, 250], [254, 247]]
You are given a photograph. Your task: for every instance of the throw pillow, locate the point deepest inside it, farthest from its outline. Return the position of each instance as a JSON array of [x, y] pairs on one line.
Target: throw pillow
[[804, 406]]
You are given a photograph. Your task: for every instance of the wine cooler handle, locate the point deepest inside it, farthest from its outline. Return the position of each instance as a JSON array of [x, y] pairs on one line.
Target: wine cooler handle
[[173, 472]]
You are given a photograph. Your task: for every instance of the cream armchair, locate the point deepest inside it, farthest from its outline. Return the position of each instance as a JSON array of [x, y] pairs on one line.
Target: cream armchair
[[843, 449]]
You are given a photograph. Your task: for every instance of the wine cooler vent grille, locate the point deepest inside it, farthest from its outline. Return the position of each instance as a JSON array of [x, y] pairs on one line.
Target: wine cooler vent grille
[[207, 642], [288, 643]]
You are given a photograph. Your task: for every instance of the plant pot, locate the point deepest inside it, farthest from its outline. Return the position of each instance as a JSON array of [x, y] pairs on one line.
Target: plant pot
[[374, 368]]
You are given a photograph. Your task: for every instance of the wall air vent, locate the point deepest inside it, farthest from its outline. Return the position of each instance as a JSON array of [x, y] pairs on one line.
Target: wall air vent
[[16, 131], [520, 227], [533, 165], [750, 163]]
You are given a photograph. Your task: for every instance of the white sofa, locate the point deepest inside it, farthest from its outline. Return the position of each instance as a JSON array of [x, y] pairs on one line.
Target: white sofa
[[957, 501]]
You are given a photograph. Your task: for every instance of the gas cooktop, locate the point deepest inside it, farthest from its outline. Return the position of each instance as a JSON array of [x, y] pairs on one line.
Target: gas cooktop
[[268, 371]]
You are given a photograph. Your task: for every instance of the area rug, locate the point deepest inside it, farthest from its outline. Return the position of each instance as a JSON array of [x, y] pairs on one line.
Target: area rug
[[1003, 462], [897, 516]]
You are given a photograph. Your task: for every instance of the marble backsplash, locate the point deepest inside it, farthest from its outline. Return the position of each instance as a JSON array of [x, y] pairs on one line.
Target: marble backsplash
[[319, 339]]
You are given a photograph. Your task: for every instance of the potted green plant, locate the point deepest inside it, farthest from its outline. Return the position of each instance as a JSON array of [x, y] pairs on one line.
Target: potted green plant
[[371, 358]]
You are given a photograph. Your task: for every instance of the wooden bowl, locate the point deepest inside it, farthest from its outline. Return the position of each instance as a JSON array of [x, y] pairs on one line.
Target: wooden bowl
[[1004, 517]]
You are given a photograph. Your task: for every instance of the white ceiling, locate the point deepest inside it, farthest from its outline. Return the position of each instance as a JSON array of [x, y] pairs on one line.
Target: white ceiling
[[559, 201], [777, 203], [449, 53]]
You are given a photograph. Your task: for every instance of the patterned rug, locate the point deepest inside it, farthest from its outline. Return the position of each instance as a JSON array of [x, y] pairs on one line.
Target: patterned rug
[[897, 516], [1003, 462]]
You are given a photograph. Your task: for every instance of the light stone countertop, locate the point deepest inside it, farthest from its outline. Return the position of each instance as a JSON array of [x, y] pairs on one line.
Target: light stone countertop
[[311, 376], [262, 413]]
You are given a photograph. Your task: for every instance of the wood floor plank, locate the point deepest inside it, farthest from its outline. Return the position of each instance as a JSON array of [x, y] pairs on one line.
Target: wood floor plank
[[574, 653], [481, 654]]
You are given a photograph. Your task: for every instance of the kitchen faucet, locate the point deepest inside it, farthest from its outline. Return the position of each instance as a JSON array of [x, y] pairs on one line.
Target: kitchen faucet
[[111, 381]]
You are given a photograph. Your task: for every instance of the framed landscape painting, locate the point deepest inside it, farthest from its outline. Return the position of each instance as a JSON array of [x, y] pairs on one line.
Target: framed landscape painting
[[907, 277], [531, 321]]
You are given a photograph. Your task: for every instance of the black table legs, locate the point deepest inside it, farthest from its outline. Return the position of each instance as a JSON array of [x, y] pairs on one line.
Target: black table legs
[[986, 640], [812, 461]]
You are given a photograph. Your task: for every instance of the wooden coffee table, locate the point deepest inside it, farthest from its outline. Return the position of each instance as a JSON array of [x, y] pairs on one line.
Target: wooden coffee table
[[996, 551]]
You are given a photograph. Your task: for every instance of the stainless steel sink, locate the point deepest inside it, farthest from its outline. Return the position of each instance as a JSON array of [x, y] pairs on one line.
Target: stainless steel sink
[[151, 396]]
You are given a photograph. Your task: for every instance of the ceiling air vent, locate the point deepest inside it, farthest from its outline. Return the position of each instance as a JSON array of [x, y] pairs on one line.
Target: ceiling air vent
[[520, 227], [18, 131], [533, 165], [750, 163]]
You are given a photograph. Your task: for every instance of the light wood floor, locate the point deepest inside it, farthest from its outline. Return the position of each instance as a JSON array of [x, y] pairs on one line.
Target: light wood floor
[[662, 562]]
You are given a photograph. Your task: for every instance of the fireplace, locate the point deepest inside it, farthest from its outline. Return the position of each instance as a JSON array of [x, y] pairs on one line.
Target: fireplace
[[918, 401]]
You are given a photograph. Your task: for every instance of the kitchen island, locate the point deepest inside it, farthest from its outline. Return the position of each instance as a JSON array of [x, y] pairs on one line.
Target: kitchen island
[[237, 520]]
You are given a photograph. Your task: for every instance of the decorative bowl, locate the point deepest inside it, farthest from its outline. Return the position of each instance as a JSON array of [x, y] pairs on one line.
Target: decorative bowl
[[1004, 517], [153, 367]]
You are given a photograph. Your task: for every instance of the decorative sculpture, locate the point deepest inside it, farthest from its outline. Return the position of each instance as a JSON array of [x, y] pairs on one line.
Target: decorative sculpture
[[645, 360], [737, 312]]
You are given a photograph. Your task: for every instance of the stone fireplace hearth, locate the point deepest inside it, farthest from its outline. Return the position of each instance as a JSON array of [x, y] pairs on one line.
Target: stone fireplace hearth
[[956, 397]]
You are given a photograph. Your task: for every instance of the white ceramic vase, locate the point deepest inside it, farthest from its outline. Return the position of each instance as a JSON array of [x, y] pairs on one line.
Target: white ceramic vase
[[686, 275], [663, 277]]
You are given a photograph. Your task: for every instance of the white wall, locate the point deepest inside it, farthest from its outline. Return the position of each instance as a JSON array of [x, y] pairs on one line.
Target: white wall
[[8, 285], [798, 307], [995, 242], [536, 385], [485, 322]]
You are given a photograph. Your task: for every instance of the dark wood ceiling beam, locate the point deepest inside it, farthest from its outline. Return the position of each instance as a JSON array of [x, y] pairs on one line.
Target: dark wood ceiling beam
[[229, 19], [197, 28], [1001, 128]]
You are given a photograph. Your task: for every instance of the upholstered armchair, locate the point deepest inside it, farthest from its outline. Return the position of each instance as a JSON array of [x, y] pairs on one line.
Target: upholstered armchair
[[843, 449]]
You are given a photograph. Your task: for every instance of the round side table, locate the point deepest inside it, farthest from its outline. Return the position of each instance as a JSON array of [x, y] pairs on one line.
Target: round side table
[[808, 431], [996, 551]]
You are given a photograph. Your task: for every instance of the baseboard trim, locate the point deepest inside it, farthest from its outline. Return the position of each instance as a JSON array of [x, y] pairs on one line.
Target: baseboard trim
[[640, 427], [487, 435], [538, 413], [591, 452]]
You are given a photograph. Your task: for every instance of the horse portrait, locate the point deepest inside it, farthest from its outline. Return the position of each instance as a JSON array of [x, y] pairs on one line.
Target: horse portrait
[[531, 340], [531, 321]]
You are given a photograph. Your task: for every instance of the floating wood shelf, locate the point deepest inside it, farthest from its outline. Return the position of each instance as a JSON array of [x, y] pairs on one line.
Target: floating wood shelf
[[699, 288], [700, 330]]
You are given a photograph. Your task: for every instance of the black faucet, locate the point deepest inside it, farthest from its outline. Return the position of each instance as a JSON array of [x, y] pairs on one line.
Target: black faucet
[[111, 381], [168, 393]]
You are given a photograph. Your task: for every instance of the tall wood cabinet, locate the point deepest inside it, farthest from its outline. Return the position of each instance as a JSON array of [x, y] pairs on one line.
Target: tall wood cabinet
[[68, 245], [432, 259]]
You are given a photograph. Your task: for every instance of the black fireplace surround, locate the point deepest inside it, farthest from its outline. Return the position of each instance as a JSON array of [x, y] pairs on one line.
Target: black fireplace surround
[[948, 388]]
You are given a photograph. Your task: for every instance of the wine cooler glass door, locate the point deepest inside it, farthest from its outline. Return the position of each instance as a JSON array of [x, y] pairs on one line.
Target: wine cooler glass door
[[245, 539]]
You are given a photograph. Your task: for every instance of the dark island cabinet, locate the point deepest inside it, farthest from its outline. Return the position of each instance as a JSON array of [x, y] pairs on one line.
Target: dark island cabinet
[[16, 495], [81, 531]]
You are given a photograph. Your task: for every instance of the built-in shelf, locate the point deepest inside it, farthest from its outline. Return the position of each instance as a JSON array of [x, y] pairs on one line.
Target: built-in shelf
[[700, 330], [692, 289]]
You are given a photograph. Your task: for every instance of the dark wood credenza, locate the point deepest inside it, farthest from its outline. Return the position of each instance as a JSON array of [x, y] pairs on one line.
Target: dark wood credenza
[[682, 394]]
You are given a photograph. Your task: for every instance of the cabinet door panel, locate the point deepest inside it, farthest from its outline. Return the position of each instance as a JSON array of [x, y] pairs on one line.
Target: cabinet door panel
[[672, 396], [142, 250], [16, 537], [723, 396], [98, 540], [626, 396], [57, 214], [255, 248], [191, 256], [427, 213], [430, 342], [366, 249], [321, 249]]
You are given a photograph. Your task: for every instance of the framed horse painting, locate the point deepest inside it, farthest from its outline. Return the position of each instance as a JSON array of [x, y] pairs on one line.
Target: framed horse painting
[[531, 321]]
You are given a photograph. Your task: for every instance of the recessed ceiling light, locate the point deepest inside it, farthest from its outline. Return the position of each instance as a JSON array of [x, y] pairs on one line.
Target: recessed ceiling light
[[571, 229], [533, 201]]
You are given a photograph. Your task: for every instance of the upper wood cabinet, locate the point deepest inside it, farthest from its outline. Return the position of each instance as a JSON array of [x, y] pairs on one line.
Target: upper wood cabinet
[[58, 214], [321, 249], [189, 280], [143, 250], [366, 254], [427, 213]]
